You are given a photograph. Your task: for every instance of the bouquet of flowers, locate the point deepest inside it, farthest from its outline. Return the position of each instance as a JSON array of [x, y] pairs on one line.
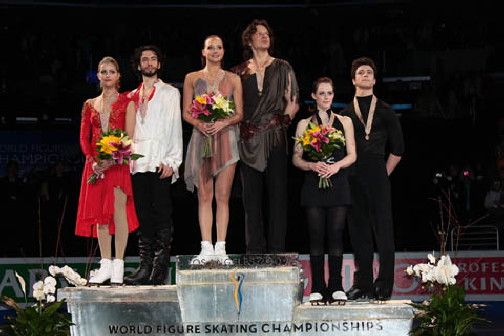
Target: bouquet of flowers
[[113, 145], [319, 143], [445, 313], [209, 108]]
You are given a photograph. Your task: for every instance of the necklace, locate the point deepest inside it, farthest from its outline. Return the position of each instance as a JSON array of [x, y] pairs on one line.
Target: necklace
[[143, 101], [213, 83], [369, 120], [260, 72], [105, 108], [330, 117]]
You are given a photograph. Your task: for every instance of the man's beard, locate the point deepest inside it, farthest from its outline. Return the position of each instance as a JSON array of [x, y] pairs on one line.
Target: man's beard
[[146, 73]]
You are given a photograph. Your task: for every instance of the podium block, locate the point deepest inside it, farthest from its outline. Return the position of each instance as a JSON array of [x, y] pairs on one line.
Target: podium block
[[255, 295], [254, 288], [141, 310]]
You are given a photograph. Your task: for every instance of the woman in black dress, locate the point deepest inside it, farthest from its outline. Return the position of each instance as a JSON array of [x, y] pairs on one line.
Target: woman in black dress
[[326, 208]]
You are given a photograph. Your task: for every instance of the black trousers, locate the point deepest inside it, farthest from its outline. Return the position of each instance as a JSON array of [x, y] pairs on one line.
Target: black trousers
[[274, 181], [153, 203], [371, 217]]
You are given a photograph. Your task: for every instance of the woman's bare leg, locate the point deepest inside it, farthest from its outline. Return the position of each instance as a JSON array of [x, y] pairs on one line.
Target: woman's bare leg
[[223, 184], [121, 222], [205, 213], [104, 241]]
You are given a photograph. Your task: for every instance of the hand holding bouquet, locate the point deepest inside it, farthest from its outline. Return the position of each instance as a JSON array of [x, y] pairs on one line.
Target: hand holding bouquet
[[114, 147], [319, 143], [210, 108]]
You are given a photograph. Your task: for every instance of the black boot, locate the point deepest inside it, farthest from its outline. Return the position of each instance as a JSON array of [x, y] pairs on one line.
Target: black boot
[[142, 274], [335, 288], [161, 257], [318, 287], [360, 291], [383, 289]]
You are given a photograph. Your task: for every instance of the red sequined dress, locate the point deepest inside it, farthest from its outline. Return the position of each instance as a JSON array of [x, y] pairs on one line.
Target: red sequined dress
[[96, 201]]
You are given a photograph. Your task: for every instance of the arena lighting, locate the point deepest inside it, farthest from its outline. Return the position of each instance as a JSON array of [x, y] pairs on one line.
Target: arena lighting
[[339, 105], [60, 120], [406, 79], [26, 120], [400, 107]]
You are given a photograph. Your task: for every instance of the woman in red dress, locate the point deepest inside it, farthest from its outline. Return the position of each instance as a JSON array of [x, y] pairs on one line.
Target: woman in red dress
[[106, 207]]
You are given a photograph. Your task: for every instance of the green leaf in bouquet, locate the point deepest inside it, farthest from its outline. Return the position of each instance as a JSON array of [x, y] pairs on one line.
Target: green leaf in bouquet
[[136, 156]]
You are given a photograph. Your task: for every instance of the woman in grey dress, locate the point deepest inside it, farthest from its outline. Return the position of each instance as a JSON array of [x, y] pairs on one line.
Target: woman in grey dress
[[212, 176]]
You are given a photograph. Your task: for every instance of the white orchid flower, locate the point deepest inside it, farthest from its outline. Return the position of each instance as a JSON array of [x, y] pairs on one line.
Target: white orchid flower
[[52, 270], [22, 282], [445, 271], [49, 285], [427, 277], [38, 293], [51, 298], [409, 270], [70, 275], [431, 258], [50, 281], [49, 289], [39, 285], [420, 269]]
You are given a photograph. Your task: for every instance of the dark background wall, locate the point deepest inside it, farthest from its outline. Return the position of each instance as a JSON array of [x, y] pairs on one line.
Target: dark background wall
[[451, 124]]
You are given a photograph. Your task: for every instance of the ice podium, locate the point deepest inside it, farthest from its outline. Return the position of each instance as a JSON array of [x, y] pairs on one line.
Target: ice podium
[[253, 295]]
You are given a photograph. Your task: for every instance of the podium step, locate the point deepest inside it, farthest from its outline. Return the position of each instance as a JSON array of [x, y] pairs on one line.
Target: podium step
[[243, 292], [257, 295], [354, 318], [126, 310]]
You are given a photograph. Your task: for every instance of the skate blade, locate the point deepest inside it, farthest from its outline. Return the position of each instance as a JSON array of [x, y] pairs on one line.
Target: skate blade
[[337, 302], [318, 303]]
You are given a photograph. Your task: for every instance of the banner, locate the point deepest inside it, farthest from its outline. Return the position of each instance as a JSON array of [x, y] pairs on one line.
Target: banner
[[481, 274], [38, 150]]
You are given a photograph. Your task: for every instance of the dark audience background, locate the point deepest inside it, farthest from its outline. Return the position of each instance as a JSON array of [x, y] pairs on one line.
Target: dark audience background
[[443, 61]]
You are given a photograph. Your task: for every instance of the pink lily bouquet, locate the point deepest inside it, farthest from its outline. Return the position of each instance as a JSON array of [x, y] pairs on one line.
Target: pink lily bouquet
[[113, 145], [319, 143], [210, 108]]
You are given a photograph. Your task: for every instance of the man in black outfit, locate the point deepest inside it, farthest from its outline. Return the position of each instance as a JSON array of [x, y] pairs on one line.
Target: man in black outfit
[[377, 130], [270, 94]]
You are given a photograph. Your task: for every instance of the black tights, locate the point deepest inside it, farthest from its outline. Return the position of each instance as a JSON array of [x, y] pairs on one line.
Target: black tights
[[326, 222]]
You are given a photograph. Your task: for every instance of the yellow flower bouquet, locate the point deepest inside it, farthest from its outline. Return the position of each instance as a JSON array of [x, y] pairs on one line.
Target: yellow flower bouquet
[[319, 143], [113, 145]]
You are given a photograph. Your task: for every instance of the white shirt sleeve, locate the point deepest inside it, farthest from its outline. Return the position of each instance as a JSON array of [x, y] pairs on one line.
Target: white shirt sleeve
[[173, 154]]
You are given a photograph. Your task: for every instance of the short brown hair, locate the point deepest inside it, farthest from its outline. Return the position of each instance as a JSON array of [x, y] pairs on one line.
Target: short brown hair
[[320, 80], [358, 62]]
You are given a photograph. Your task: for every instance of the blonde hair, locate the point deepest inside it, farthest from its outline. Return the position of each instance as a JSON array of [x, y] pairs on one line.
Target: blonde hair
[[111, 60]]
